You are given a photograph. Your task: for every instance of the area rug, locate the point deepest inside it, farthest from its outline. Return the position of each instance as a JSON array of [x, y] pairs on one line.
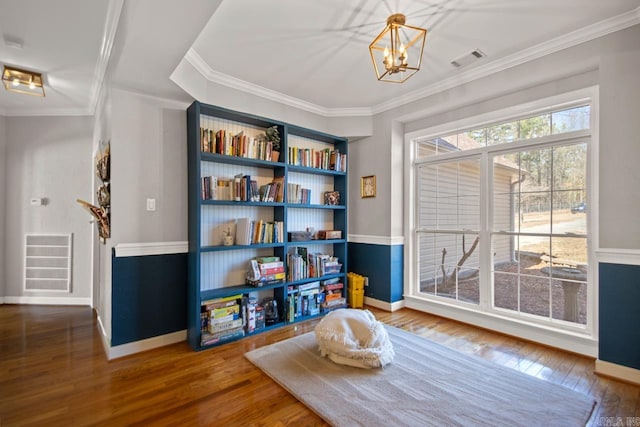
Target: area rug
[[427, 384]]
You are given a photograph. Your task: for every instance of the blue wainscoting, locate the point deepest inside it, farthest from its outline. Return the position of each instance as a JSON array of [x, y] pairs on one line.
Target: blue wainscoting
[[619, 289], [149, 296], [383, 265]]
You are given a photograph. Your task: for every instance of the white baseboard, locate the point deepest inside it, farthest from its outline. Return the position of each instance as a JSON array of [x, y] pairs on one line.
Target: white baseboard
[[383, 305], [619, 372], [47, 300], [104, 337], [148, 344], [137, 346], [1, 300]]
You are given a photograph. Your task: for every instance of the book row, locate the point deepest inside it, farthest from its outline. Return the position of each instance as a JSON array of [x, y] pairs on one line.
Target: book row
[[320, 159], [314, 298], [227, 318], [241, 188], [297, 194], [239, 145], [304, 265], [252, 232]]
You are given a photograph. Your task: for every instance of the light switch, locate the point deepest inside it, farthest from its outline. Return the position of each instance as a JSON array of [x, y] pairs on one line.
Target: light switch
[[151, 204]]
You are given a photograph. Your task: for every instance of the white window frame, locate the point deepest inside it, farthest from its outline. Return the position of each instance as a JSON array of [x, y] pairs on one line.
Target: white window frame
[[580, 339]]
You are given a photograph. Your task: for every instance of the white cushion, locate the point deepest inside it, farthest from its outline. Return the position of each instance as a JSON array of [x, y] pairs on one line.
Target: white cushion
[[355, 338]]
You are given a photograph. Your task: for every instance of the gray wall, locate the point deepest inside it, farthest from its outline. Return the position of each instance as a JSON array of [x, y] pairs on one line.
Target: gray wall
[[620, 140], [48, 157], [371, 156], [3, 198], [148, 160]]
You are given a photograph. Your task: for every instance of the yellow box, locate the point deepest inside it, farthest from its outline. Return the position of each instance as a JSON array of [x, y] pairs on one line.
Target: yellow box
[[356, 298], [355, 281], [355, 290]]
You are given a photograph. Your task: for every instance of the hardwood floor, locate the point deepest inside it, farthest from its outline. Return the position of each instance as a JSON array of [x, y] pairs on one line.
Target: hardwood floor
[[53, 371]]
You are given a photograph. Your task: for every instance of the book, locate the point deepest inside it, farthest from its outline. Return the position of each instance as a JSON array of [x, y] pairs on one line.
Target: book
[[332, 296], [237, 188], [224, 311], [333, 286], [218, 304], [224, 326], [279, 192], [209, 338], [223, 319], [250, 310], [243, 231], [267, 259], [223, 299]]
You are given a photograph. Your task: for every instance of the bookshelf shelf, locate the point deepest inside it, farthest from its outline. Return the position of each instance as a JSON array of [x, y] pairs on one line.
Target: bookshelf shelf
[[237, 289], [316, 171], [240, 247], [242, 161], [305, 318], [317, 242], [315, 279], [303, 206], [240, 203], [217, 272]]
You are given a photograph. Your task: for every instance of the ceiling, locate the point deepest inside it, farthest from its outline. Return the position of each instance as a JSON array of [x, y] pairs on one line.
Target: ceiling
[[312, 53]]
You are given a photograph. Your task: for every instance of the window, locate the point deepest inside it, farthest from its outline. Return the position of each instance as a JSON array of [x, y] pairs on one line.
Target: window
[[501, 218]]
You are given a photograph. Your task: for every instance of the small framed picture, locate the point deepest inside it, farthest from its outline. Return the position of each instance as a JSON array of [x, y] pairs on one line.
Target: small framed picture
[[331, 197], [368, 186]]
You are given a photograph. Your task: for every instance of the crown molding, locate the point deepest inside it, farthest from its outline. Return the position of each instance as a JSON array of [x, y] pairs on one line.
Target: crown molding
[[557, 44], [565, 41], [114, 10], [234, 83]]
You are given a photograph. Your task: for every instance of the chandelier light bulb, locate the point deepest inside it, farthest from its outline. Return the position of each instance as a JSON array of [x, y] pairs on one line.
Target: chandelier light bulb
[[16, 82]]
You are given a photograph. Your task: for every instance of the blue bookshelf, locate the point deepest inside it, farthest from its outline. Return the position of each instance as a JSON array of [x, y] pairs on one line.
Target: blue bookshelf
[[214, 268]]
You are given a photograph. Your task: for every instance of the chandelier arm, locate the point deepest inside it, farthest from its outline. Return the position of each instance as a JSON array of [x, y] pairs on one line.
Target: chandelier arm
[[417, 38]]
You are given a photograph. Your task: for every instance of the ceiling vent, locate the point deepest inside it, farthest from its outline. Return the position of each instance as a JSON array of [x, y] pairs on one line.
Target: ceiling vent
[[468, 58]]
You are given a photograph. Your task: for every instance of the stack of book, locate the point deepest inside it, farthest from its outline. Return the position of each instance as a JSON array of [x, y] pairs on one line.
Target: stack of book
[[266, 271], [333, 296], [221, 319], [303, 300]]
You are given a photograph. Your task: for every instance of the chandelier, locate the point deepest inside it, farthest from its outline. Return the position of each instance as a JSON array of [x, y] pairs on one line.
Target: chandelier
[[397, 51], [22, 81]]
